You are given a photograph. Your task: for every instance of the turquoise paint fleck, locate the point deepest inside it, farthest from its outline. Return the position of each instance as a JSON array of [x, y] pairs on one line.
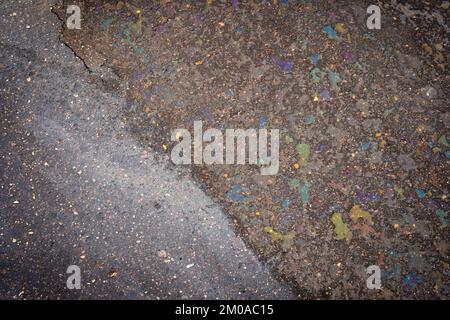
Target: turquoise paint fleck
[[304, 192], [442, 215]]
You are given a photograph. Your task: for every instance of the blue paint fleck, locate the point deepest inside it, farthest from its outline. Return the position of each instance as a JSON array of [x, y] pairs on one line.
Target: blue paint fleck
[[235, 193], [330, 32], [310, 119], [229, 93], [412, 279], [262, 122], [325, 95], [363, 198], [235, 4], [365, 146], [315, 58], [285, 65], [420, 193], [208, 114]]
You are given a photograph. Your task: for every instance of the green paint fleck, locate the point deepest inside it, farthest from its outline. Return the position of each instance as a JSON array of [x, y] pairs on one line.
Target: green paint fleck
[[340, 228], [317, 74], [436, 149], [387, 112], [334, 79], [359, 66], [304, 192], [294, 183], [106, 23], [443, 140], [303, 152], [136, 27], [369, 36], [305, 44]]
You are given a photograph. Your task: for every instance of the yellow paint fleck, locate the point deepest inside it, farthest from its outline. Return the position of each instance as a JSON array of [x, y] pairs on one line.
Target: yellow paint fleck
[[356, 213], [287, 239], [340, 27], [400, 192], [427, 48]]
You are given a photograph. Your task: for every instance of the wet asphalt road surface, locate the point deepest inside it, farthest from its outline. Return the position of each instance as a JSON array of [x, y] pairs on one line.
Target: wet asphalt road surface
[[76, 189], [363, 178]]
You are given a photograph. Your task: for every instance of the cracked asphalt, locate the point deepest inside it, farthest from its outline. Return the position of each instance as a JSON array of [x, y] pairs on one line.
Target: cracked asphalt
[[77, 189], [87, 178]]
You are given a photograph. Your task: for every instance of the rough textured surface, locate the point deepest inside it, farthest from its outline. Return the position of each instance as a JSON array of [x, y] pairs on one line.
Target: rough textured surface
[[77, 189], [364, 155]]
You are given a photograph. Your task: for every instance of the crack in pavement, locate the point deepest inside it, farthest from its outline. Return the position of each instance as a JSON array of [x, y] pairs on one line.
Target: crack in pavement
[[97, 198]]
